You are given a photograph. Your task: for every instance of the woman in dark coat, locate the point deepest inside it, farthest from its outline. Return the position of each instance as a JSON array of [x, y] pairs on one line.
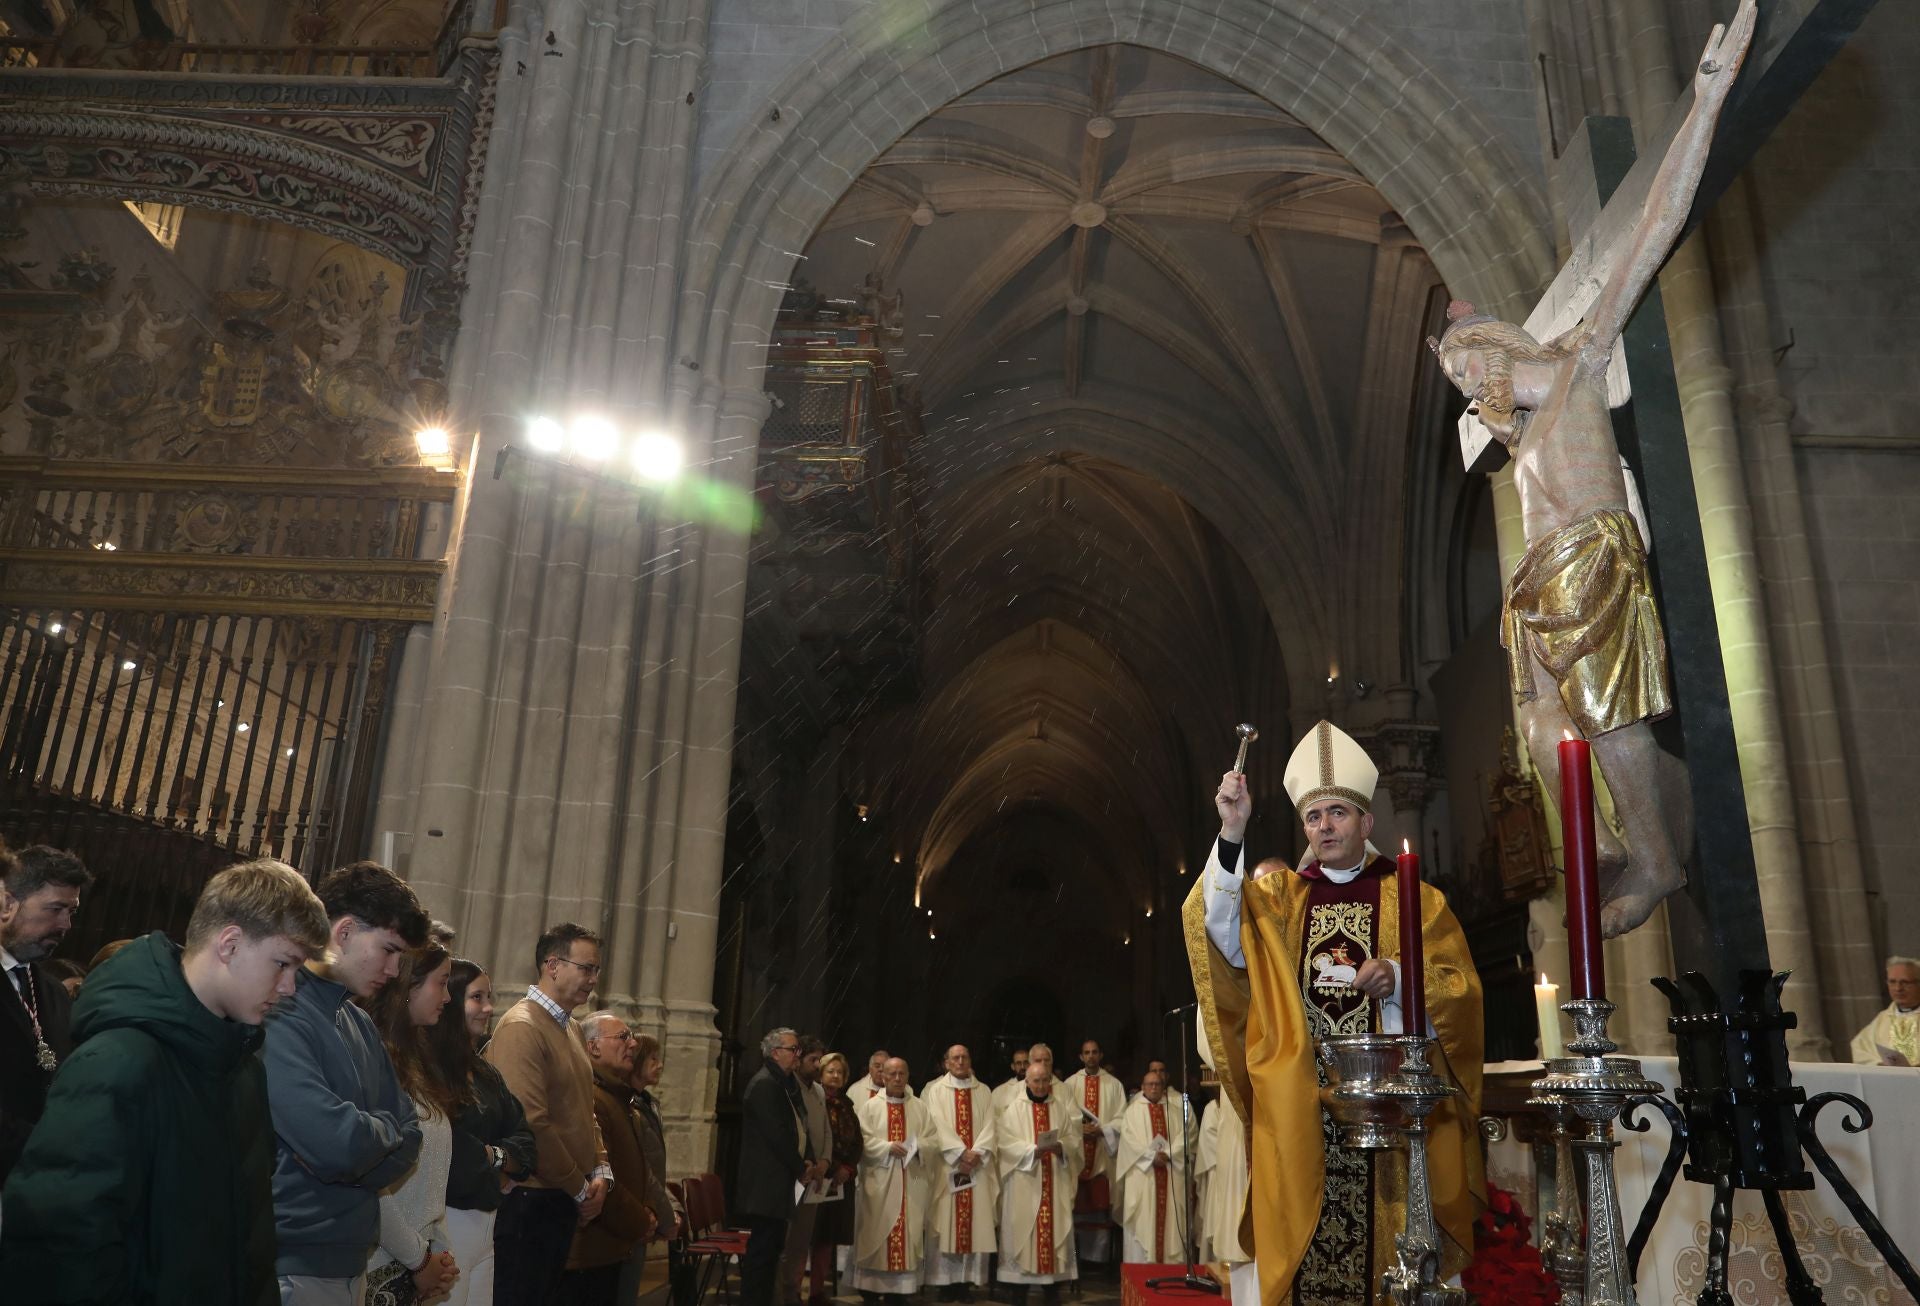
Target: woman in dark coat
[[833, 1227], [492, 1145]]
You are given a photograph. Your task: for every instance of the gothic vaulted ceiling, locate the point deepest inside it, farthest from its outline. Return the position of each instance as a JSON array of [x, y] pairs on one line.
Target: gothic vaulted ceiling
[[1165, 341]]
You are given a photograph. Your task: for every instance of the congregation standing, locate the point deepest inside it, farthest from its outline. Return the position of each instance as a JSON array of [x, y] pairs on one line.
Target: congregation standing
[[309, 1102]]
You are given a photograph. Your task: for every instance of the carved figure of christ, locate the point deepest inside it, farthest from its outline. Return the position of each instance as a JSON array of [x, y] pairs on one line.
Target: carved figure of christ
[[1587, 652]]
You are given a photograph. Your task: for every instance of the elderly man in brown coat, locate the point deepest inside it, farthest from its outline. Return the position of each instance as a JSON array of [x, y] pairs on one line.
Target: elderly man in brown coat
[[603, 1244]]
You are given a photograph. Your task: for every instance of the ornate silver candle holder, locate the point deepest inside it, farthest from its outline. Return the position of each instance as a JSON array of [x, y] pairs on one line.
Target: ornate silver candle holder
[[1415, 1279], [1381, 1087], [1561, 1227], [1588, 1090]]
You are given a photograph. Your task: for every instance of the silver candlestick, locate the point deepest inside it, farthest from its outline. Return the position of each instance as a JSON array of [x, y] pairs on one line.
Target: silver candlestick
[[1590, 1088], [1415, 1279], [1561, 1227]]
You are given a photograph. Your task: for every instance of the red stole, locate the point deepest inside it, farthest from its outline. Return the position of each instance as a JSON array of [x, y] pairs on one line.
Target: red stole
[[1090, 1089], [897, 1240], [1043, 1223], [963, 1200]]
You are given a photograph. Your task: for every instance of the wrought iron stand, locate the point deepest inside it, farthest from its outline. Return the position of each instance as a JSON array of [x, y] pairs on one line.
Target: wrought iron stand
[[1739, 1122]]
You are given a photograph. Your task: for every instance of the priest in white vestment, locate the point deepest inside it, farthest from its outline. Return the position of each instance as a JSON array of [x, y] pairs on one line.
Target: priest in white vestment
[[1174, 1095], [899, 1150], [1003, 1093], [1036, 1146], [874, 1083], [1102, 1098], [1017, 1087], [1152, 1162], [961, 1233], [1223, 1185], [1892, 1038]]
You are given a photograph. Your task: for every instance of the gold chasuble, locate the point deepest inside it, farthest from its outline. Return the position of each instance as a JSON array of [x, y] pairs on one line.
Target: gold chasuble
[[1309, 1201]]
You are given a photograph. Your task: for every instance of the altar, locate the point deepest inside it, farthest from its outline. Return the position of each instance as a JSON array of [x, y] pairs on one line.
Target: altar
[[1883, 1163]]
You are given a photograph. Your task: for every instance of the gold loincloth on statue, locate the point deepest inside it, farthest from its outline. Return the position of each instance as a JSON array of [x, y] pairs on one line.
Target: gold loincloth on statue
[[1580, 602]]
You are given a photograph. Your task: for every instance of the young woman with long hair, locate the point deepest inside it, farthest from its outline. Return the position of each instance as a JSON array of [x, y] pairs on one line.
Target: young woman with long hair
[[492, 1146], [414, 1261]]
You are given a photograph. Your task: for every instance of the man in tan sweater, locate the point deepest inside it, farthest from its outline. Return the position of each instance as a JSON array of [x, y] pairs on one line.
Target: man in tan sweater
[[538, 1051]]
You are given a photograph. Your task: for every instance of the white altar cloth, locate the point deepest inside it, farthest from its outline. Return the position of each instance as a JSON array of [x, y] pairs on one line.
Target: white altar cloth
[[1883, 1163]]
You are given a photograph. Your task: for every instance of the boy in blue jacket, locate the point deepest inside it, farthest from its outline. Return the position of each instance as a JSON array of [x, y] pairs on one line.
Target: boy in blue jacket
[[345, 1128]]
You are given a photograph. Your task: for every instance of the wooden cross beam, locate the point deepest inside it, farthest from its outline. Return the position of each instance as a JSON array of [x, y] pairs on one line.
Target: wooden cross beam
[[1794, 41]]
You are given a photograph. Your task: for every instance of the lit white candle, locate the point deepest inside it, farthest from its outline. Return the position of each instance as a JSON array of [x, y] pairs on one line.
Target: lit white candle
[[1546, 1001]]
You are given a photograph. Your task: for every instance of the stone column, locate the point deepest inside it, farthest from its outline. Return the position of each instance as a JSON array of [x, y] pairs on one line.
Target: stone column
[[1850, 974], [571, 755]]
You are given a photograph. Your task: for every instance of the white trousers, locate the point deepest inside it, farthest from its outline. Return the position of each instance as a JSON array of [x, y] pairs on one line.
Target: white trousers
[[307, 1290], [470, 1239]]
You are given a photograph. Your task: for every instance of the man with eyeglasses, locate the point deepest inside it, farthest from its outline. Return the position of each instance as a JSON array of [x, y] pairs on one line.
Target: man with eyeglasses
[[776, 1156], [538, 1050]]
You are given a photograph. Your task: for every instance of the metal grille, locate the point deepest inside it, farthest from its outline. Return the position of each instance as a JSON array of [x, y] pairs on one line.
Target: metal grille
[[161, 745], [807, 412]]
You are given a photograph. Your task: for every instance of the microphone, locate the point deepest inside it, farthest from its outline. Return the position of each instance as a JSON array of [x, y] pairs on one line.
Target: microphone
[[1181, 1011]]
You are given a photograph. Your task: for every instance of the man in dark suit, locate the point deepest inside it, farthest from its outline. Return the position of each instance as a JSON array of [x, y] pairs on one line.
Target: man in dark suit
[[775, 1154], [45, 885]]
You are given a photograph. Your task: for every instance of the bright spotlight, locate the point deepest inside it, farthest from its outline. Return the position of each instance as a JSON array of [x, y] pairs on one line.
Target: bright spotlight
[[56, 628], [546, 435], [593, 438], [128, 666], [433, 441], [243, 727], [657, 456]]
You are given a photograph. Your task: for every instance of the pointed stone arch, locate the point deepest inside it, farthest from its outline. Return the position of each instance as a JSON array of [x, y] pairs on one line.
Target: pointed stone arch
[[1466, 196]]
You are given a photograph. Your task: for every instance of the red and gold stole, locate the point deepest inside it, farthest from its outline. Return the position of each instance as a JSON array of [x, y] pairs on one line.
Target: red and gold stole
[[897, 1240], [1158, 1111], [963, 1200], [1090, 1088], [1043, 1223]]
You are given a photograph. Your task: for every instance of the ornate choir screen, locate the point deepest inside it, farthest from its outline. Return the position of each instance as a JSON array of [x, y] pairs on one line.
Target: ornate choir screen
[[194, 665], [218, 529]]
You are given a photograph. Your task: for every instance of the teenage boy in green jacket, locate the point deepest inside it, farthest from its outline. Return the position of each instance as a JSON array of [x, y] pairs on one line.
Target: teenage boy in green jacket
[[149, 1178]]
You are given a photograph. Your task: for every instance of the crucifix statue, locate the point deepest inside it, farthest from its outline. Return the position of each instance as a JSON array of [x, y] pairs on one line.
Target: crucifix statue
[[1585, 648]]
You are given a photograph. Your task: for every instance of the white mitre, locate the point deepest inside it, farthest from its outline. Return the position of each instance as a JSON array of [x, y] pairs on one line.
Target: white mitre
[[1329, 764]]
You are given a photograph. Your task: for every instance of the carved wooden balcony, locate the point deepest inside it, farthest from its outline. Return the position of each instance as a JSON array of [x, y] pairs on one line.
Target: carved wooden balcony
[[381, 148]]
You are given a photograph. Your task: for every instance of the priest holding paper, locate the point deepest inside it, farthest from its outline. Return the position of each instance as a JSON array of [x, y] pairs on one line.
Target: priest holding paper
[[1152, 1162], [1037, 1150], [965, 1199], [899, 1154], [1281, 960]]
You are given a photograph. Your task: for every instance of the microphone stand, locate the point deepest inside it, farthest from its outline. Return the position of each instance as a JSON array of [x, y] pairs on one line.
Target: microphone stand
[[1190, 1280]]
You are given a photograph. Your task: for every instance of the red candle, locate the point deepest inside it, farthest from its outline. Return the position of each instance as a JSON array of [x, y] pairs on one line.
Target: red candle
[[1583, 882], [1413, 959]]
